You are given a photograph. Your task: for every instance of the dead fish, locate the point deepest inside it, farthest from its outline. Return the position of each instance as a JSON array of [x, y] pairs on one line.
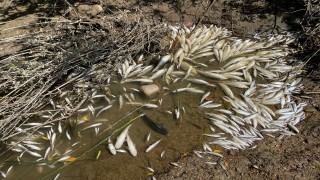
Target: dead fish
[[69, 102], [206, 147], [74, 144], [59, 127], [30, 142], [68, 135], [147, 105], [35, 154], [162, 61], [175, 164], [121, 151], [92, 110], [67, 152], [33, 147], [83, 110], [96, 130], [145, 70], [9, 169], [205, 103], [16, 150], [198, 153], [155, 126], [178, 53], [120, 101], [56, 177], [148, 137], [103, 109], [92, 126], [293, 128], [177, 113], [200, 81], [53, 139], [237, 84], [152, 146], [210, 105], [142, 80], [211, 163], [213, 75], [215, 153], [3, 174], [111, 147], [63, 158], [204, 96], [188, 89], [226, 90], [150, 169], [121, 138], [162, 153], [32, 124], [158, 74], [131, 146]]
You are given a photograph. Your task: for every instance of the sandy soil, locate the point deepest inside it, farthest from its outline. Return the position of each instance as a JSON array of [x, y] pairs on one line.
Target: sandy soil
[[296, 157]]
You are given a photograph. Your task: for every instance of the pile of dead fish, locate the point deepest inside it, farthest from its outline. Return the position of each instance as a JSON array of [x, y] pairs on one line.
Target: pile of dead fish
[[258, 77]]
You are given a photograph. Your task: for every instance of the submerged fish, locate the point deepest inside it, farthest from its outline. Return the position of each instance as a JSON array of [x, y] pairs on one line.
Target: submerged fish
[[121, 138], [155, 126], [152, 146], [111, 147], [131, 146]]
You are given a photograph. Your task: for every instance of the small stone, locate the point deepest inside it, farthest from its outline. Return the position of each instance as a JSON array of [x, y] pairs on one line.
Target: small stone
[[89, 10], [150, 90]]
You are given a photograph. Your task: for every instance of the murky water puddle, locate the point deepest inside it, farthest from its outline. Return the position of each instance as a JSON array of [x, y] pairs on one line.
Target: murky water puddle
[[184, 135]]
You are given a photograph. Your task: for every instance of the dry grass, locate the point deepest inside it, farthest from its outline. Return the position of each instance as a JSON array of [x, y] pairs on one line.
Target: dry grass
[[58, 55], [310, 40]]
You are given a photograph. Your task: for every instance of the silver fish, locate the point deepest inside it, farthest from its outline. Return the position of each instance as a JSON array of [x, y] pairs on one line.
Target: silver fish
[[103, 109], [142, 80], [148, 137], [3, 174], [131, 146], [56, 177], [63, 158], [120, 101], [213, 75], [162, 154], [152, 146], [121, 138], [92, 126], [162, 61], [33, 147], [35, 154], [68, 135], [226, 90], [111, 147], [158, 74]]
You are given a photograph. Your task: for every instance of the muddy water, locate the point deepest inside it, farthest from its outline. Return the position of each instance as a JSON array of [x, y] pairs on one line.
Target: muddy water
[[184, 135]]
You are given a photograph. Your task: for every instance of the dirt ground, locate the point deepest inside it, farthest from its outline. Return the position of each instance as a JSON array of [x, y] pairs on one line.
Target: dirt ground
[[296, 157]]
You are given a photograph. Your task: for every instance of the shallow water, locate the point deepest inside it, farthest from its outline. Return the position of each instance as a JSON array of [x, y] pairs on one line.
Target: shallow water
[[184, 135]]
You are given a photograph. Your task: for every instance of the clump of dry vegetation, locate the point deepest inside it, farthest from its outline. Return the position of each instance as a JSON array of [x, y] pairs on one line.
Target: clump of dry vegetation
[[59, 53], [310, 39]]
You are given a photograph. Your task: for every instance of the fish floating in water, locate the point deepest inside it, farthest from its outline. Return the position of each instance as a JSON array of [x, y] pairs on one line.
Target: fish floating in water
[[154, 125]]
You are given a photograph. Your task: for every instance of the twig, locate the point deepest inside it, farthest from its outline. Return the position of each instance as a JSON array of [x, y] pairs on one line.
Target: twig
[[205, 12]]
